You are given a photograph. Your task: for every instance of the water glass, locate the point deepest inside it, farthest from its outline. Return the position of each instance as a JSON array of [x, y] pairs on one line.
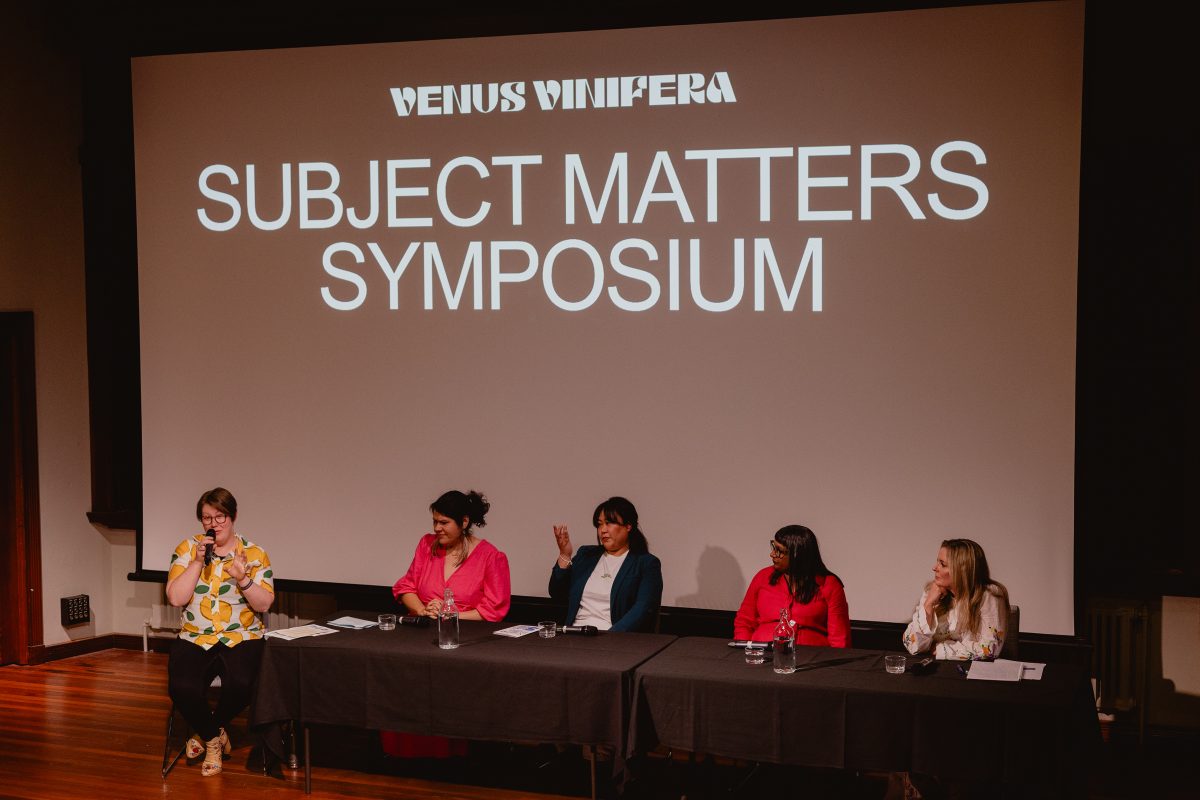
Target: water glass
[[755, 653], [547, 629], [387, 622], [894, 664]]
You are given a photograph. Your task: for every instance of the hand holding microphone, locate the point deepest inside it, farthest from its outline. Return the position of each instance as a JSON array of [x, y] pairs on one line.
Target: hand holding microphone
[[210, 537]]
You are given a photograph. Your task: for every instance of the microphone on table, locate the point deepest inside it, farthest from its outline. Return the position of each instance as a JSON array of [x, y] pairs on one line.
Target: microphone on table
[[211, 536], [583, 630]]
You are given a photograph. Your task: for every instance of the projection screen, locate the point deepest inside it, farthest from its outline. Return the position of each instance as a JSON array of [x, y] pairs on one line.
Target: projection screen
[[815, 270]]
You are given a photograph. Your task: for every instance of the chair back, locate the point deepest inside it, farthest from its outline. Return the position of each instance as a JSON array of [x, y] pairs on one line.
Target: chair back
[[1012, 637]]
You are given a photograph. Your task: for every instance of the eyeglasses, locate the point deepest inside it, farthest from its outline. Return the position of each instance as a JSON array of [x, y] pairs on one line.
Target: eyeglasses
[[215, 519], [777, 550]]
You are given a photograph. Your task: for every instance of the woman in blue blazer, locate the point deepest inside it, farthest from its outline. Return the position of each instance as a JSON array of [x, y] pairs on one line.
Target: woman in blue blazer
[[615, 584]]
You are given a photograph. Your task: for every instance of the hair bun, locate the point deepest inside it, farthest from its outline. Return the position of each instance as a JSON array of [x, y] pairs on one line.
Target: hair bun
[[479, 507]]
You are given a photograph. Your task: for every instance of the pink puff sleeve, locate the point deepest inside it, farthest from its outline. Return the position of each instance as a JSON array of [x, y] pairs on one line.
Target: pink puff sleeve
[[420, 563], [496, 595]]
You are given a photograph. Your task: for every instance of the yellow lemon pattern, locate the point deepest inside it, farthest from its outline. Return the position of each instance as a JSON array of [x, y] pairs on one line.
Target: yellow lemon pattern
[[218, 611]]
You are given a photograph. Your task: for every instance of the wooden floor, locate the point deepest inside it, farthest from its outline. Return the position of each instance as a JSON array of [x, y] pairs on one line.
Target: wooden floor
[[93, 727]]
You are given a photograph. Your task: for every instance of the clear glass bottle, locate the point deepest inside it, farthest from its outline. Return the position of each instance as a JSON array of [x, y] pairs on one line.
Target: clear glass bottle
[[784, 645], [448, 622]]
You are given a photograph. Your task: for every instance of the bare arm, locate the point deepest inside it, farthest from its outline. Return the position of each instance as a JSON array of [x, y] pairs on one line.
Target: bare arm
[[181, 588]]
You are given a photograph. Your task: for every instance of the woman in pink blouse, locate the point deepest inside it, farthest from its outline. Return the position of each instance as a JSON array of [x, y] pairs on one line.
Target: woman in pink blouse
[[798, 581], [454, 556]]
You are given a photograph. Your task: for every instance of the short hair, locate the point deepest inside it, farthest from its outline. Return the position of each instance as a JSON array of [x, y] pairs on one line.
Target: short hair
[[220, 499], [622, 512]]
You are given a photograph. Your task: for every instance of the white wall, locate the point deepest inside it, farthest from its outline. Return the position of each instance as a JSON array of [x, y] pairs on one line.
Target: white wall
[[41, 270]]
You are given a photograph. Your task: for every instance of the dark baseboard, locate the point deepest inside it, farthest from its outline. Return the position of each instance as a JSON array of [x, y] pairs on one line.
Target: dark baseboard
[[41, 654]]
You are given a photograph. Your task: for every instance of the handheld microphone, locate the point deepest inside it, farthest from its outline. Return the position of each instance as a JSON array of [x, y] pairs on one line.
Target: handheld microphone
[[211, 536], [584, 630]]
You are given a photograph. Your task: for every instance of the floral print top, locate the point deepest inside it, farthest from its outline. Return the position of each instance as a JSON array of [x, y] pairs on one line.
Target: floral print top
[[218, 612], [946, 641]]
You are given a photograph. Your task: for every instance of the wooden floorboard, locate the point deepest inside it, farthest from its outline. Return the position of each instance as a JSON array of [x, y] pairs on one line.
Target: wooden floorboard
[[93, 726]]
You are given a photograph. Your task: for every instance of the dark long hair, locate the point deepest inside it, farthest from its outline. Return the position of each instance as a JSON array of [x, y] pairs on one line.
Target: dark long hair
[[622, 512], [804, 562]]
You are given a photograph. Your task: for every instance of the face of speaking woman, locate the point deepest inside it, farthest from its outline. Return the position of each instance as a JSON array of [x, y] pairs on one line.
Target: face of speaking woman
[[220, 523], [613, 535]]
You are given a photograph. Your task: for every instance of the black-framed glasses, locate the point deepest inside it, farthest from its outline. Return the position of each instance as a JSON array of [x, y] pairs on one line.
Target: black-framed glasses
[[215, 519], [777, 550]]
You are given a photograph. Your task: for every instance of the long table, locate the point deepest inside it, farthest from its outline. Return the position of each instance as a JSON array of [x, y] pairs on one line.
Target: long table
[[842, 709], [569, 689]]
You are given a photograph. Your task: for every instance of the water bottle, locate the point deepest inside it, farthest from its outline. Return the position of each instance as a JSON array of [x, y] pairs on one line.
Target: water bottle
[[448, 622], [784, 644]]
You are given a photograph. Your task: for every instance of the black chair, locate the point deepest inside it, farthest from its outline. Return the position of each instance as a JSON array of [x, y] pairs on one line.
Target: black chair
[[170, 754]]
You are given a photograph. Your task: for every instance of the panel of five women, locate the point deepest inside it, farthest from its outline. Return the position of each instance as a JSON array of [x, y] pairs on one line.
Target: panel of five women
[[613, 585]]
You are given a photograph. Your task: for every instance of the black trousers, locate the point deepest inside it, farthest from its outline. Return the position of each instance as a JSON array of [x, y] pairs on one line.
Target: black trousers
[[191, 669]]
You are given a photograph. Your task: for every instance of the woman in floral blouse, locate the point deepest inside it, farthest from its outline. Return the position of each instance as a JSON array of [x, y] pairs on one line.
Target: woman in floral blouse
[[223, 582], [963, 613]]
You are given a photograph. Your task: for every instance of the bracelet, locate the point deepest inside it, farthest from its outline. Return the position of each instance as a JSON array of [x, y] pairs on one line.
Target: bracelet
[[247, 586], [564, 566]]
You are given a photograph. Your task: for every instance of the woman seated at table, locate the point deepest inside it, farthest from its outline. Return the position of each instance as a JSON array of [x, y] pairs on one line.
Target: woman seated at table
[[454, 556], [223, 583], [798, 581], [615, 584], [963, 612]]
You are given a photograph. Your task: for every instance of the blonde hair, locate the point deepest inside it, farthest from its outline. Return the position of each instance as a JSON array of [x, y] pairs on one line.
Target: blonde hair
[[970, 581]]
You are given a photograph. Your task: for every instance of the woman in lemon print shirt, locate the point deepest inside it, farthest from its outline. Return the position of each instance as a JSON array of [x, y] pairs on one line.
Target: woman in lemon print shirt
[[223, 582]]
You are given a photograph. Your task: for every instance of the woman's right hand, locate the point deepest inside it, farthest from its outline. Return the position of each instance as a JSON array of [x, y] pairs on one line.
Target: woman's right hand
[[563, 537], [933, 595]]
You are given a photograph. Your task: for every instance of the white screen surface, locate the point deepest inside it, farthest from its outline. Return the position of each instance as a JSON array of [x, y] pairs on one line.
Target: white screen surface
[[835, 287]]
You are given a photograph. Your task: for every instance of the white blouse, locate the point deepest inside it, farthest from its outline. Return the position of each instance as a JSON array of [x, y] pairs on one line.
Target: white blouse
[[947, 642], [595, 606]]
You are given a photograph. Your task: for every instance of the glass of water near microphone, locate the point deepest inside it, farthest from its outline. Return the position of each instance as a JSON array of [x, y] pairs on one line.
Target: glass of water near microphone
[[782, 646]]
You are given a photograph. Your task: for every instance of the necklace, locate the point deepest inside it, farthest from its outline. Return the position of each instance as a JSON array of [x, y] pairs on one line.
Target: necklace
[[604, 564]]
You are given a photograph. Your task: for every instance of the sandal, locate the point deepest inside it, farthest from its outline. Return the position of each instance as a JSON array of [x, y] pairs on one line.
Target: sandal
[[212, 757], [195, 747]]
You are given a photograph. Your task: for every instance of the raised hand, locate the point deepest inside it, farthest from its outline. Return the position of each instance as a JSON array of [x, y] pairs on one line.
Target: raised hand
[[563, 537]]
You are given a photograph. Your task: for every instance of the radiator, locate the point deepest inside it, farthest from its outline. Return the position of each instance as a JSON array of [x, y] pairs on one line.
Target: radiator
[[289, 610], [1120, 632], [285, 612]]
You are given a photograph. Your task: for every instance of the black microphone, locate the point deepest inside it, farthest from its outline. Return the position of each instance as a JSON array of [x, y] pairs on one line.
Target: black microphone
[[584, 630], [211, 535]]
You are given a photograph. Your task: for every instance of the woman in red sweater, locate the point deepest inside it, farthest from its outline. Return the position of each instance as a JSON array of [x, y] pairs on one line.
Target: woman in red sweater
[[798, 581]]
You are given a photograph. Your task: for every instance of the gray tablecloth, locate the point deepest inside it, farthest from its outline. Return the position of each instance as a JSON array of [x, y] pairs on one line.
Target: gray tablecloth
[[841, 709], [569, 689]]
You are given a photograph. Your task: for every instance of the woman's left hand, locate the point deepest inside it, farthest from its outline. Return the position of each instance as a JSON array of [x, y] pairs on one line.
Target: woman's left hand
[[433, 607], [237, 567]]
